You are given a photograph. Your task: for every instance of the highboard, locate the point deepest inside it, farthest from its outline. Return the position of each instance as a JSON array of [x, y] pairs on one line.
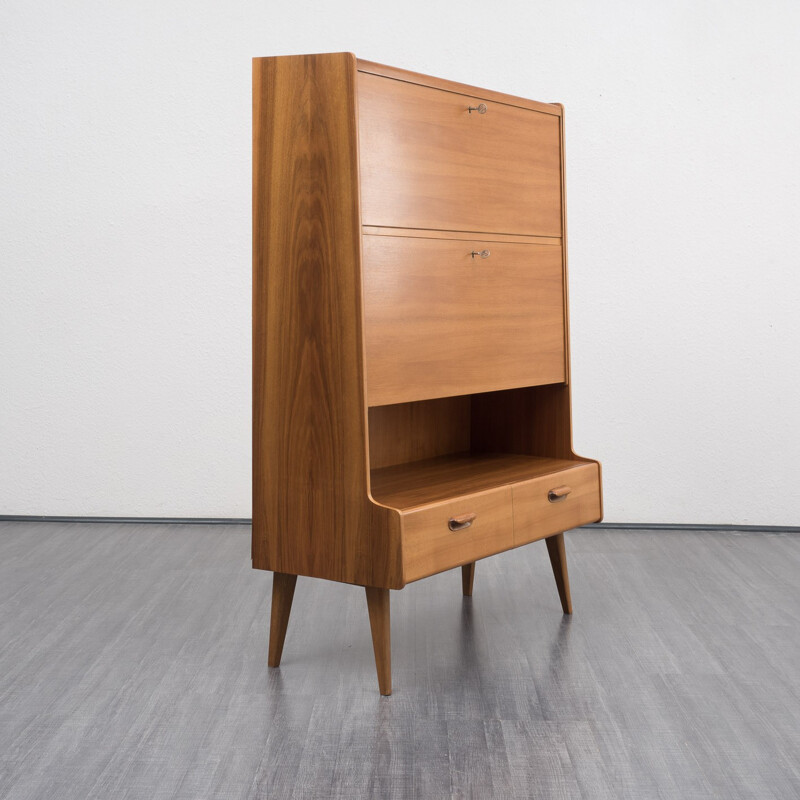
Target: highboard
[[411, 385]]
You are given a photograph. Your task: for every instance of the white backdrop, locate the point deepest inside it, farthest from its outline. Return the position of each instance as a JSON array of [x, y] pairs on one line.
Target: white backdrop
[[125, 239]]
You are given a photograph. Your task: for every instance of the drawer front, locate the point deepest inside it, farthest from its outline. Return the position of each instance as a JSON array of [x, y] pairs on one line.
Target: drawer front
[[428, 162], [441, 322], [536, 515], [430, 546]]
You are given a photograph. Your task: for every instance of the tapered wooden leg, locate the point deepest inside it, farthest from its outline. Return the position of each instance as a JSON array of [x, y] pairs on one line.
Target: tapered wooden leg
[[558, 560], [467, 577], [378, 606], [282, 594]]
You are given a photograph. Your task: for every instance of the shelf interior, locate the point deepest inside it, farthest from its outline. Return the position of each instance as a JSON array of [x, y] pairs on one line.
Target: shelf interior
[[434, 480]]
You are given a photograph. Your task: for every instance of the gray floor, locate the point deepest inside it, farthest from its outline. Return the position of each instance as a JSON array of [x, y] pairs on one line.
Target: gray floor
[[133, 665]]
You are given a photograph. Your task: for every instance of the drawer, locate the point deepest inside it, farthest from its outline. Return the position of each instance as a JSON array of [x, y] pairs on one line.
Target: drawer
[[430, 546], [576, 501], [428, 162], [441, 322]]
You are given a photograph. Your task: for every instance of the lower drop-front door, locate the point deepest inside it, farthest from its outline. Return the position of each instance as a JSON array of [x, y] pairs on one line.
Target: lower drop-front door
[[448, 317]]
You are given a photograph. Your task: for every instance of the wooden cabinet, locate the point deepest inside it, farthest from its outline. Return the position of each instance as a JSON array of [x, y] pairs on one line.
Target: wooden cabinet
[[411, 387]]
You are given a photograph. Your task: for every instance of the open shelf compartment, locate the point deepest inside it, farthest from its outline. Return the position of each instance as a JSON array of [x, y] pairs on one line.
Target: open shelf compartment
[[432, 451], [434, 480]]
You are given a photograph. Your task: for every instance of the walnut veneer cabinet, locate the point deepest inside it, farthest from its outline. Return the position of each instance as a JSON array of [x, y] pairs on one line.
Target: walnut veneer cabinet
[[411, 388]]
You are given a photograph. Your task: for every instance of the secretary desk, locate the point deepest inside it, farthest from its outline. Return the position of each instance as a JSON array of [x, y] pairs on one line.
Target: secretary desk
[[411, 385]]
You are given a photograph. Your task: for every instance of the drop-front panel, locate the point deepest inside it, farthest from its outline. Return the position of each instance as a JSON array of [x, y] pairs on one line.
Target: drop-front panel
[[447, 317], [447, 161]]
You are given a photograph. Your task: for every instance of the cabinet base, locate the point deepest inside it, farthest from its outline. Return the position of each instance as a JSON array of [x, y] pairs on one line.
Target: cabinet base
[[283, 585]]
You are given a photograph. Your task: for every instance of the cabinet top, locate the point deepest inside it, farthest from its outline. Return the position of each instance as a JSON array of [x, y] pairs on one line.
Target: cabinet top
[[396, 73]]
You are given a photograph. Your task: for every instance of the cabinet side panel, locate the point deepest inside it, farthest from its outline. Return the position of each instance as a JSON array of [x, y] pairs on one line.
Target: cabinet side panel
[[311, 510]]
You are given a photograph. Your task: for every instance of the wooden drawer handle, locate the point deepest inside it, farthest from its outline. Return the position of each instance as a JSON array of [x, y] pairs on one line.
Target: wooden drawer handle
[[461, 522], [559, 493]]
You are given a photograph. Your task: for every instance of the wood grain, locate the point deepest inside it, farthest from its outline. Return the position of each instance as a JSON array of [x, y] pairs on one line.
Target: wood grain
[[311, 511], [283, 586], [426, 162], [421, 233], [420, 79], [380, 624], [420, 483], [429, 546], [441, 322], [467, 578], [416, 431], [558, 561], [536, 517], [531, 420], [535, 420]]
